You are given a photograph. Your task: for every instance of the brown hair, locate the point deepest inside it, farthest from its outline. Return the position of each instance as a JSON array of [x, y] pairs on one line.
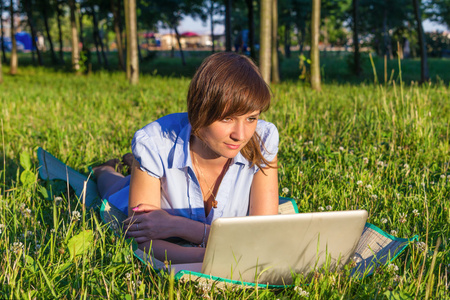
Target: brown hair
[[228, 84]]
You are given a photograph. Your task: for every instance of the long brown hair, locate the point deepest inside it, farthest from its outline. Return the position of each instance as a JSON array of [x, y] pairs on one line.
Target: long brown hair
[[227, 84]]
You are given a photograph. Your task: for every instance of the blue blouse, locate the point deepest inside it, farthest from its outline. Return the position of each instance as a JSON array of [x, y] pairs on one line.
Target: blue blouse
[[162, 149]]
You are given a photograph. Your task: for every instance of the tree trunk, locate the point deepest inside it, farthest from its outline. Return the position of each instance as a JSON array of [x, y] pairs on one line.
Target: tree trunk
[[424, 75], [116, 16], [301, 38], [287, 40], [227, 25], [2, 33], [179, 44], [47, 30], [75, 46], [132, 50], [315, 54], [251, 28], [211, 15], [356, 57], [33, 31], [14, 63], [275, 65], [58, 18], [265, 38], [96, 36]]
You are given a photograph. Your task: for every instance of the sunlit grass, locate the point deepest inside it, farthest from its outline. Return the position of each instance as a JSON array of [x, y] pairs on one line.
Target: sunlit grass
[[383, 148]]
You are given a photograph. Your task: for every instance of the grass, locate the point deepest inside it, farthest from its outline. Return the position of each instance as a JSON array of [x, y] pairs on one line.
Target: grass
[[384, 148]]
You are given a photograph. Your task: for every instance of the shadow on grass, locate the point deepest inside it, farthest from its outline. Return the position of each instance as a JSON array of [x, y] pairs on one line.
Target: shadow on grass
[[335, 67]]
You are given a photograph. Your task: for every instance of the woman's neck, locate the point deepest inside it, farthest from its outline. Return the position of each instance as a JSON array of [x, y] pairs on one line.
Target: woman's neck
[[204, 155]]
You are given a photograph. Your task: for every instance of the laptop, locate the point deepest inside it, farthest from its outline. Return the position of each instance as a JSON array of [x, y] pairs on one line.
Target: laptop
[[270, 249]]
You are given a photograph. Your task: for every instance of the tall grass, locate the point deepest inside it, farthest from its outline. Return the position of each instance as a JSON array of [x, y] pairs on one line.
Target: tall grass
[[384, 148]]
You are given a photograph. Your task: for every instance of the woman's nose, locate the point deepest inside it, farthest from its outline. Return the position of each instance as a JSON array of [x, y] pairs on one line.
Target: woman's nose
[[238, 132]]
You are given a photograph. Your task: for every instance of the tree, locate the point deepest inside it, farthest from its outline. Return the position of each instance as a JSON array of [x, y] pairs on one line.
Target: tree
[[424, 74], [132, 50], [14, 62], [315, 55], [2, 32], [46, 10], [74, 33], [275, 65], [228, 25], [356, 57], [27, 5], [265, 38]]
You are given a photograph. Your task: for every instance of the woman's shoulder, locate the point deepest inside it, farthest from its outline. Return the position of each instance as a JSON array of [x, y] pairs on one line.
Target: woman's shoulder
[[266, 129], [165, 127]]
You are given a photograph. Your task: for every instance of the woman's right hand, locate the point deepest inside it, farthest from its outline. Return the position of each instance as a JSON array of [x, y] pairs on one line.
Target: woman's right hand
[[149, 223]]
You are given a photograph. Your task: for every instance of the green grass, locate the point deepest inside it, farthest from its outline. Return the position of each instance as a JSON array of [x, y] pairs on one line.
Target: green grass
[[383, 148]]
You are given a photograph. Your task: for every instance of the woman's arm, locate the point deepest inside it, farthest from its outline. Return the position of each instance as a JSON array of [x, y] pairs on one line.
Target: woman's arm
[[264, 191], [149, 224]]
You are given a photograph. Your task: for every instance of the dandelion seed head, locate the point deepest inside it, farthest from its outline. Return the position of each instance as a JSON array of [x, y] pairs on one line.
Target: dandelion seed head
[[359, 182], [374, 197], [321, 208], [16, 247], [369, 186], [365, 160], [393, 232], [329, 207], [301, 292], [384, 220], [415, 213], [393, 267], [341, 148], [285, 190]]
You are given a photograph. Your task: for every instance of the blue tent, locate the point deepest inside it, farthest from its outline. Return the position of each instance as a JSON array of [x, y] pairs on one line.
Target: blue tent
[[25, 39]]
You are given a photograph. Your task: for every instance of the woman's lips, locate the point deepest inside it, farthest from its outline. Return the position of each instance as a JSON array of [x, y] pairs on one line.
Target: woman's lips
[[232, 146]]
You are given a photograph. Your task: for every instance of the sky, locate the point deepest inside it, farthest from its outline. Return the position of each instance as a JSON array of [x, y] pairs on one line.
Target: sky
[[189, 24]]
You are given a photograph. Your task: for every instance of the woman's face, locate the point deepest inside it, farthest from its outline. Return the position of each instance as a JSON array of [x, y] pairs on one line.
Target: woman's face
[[228, 136]]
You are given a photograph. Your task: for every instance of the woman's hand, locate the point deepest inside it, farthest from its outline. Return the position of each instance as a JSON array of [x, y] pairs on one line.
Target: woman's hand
[[149, 223]]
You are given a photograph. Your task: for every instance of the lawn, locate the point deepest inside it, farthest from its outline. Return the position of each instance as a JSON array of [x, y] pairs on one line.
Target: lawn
[[380, 147]]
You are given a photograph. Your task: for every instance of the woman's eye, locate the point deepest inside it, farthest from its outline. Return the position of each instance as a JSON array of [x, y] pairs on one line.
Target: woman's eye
[[252, 119], [226, 120]]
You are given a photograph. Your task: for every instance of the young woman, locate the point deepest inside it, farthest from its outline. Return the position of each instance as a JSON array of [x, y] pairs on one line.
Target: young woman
[[216, 160]]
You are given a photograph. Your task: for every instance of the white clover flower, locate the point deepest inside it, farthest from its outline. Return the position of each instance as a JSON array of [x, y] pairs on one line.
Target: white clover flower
[[329, 207], [128, 275], [351, 152], [52, 230], [375, 148], [16, 247], [421, 246], [415, 213], [22, 206], [381, 164], [448, 177], [423, 184], [300, 173], [369, 186], [2, 226], [365, 160], [410, 186], [341, 148], [397, 278], [58, 200], [392, 267], [406, 166], [403, 217], [301, 292], [310, 142], [321, 208], [374, 197], [393, 232], [359, 182], [76, 215], [399, 148], [285, 190], [384, 220], [443, 176], [321, 170], [204, 287]]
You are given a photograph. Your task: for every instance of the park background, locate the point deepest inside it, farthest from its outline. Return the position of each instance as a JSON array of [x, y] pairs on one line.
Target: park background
[[362, 125]]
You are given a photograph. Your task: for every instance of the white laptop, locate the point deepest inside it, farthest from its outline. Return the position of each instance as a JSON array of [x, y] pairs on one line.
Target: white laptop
[[269, 249]]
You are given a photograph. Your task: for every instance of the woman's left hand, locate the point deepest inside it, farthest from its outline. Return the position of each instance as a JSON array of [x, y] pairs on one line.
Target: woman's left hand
[[151, 223]]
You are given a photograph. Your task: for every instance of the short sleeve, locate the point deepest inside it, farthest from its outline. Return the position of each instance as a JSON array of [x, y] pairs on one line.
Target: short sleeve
[[268, 133], [145, 151]]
